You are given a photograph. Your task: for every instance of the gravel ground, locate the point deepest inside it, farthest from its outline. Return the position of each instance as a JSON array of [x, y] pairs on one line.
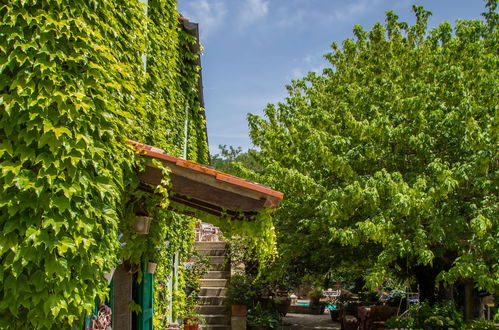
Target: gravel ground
[[308, 321]]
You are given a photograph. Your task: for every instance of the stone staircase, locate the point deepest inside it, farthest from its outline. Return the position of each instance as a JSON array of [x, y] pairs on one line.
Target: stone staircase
[[212, 294]]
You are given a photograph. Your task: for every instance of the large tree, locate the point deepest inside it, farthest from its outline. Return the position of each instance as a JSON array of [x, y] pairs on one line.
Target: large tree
[[390, 156]]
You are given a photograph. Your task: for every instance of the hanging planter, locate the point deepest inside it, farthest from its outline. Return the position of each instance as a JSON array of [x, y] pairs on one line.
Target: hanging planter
[[109, 276], [151, 267], [142, 224]]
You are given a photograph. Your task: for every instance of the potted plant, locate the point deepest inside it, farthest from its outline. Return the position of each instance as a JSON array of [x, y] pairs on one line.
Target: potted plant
[[191, 322], [262, 318], [238, 294], [315, 296], [283, 304]]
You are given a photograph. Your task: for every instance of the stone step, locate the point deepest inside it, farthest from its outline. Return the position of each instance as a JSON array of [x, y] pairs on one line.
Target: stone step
[[211, 252], [211, 300], [214, 292], [217, 274], [209, 245], [224, 266], [215, 260], [216, 319], [212, 309], [210, 282]]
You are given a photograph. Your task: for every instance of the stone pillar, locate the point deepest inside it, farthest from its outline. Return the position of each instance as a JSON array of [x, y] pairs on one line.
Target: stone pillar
[[238, 322], [122, 294]]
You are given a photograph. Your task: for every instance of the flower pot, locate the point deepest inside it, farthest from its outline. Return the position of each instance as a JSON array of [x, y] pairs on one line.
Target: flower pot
[[283, 307], [315, 301], [335, 314], [239, 310], [191, 326], [142, 224], [151, 267], [191, 323]]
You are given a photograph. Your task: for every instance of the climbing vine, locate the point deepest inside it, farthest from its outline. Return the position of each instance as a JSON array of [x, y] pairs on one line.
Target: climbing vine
[[72, 90]]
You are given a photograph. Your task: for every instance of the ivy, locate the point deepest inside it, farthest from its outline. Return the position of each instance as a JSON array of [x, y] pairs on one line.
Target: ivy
[[72, 90]]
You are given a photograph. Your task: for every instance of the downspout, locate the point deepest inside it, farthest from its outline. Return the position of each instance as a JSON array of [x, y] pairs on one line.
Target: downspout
[[176, 257], [186, 131], [144, 55]]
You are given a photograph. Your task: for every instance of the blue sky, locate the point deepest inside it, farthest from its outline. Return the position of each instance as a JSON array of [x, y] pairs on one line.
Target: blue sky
[[253, 48]]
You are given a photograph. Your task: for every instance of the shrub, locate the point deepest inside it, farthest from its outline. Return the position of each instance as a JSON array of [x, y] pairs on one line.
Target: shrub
[[268, 318], [427, 317], [481, 325], [239, 290]]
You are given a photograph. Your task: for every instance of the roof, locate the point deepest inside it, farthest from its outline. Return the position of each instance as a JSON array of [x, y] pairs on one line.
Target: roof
[[206, 189]]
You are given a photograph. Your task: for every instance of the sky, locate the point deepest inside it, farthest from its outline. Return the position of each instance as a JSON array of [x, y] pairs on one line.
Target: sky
[[254, 48]]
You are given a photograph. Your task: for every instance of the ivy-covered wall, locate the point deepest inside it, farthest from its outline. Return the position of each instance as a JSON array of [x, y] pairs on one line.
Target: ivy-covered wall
[[72, 90]]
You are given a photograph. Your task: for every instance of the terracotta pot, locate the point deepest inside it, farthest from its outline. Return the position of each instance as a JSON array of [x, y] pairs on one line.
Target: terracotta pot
[[191, 327], [335, 314], [239, 310], [283, 307], [314, 301]]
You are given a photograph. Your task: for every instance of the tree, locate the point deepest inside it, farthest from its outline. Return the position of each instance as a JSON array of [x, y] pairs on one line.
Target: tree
[[230, 158], [390, 156]]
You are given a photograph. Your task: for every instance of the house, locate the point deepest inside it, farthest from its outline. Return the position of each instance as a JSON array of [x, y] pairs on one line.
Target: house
[[77, 81]]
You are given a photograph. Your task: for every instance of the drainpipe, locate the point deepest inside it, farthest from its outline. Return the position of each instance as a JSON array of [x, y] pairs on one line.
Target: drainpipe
[[176, 257], [186, 131], [144, 56]]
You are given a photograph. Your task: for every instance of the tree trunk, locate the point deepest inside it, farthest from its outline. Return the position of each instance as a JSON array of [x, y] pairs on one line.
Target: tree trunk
[[469, 297], [425, 276]]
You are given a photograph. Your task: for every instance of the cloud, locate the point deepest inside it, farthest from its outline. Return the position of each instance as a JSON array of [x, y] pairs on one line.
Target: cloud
[[214, 149], [310, 62], [354, 9], [253, 10], [209, 15]]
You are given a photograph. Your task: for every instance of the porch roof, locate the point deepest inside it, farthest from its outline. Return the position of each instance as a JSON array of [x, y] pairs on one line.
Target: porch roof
[[206, 189]]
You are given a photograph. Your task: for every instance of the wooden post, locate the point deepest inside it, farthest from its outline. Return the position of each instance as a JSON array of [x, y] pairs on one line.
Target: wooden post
[[468, 299]]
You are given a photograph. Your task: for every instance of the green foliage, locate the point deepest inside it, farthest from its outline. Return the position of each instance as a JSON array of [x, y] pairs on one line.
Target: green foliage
[[72, 91], [390, 156], [316, 293], [261, 317], [428, 317], [259, 229], [178, 237], [481, 325], [225, 161], [192, 276], [239, 290]]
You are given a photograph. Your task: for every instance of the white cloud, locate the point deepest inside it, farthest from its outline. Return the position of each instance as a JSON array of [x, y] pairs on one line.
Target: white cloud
[[310, 62], [354, 9], [214, 149], [254, 10], [209, 15]]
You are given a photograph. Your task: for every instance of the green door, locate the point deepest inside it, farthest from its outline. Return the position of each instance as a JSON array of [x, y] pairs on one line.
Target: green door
[[145, 298]]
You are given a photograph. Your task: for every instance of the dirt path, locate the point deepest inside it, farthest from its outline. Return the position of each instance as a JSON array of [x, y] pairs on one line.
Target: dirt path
[[308, 321]]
